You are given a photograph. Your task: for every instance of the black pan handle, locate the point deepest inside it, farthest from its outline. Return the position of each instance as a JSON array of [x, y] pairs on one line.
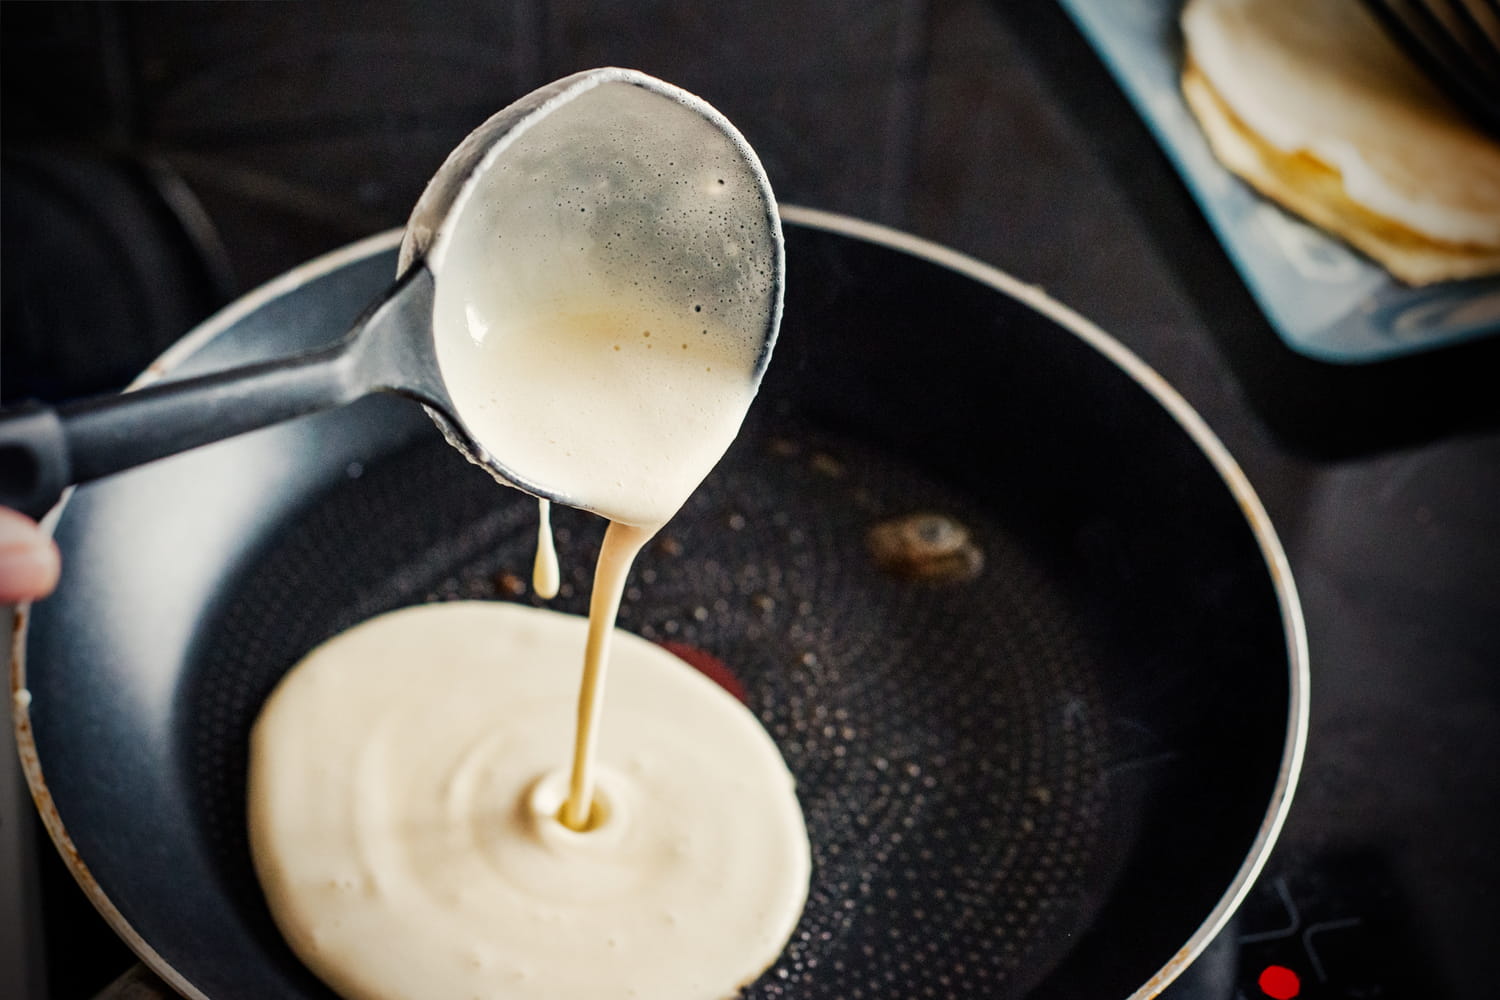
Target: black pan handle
[[45, 449]]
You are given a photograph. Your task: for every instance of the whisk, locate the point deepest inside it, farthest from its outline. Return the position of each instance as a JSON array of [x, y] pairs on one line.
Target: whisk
[[1456, 43]]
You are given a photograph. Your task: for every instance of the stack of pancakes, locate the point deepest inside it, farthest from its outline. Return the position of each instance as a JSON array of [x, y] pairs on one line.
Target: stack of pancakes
[[1312, 104]]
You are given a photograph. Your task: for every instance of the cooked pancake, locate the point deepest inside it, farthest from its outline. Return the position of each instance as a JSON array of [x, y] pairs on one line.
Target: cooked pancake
[[1313, 106]]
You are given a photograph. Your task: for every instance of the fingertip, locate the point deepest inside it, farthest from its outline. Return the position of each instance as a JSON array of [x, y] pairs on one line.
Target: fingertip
[[29, 561], [47, 568]]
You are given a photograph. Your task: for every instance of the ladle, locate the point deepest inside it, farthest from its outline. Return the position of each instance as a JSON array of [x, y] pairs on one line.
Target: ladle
[[615, 183]]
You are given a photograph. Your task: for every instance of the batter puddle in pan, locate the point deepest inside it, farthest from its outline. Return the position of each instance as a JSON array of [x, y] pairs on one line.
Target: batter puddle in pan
[[948, 737]]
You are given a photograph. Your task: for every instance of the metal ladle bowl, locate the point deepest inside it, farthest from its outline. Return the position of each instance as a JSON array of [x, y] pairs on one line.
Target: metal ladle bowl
[[604, 178]]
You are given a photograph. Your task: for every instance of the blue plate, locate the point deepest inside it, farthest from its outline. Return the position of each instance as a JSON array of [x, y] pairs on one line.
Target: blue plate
[[1324, 299]]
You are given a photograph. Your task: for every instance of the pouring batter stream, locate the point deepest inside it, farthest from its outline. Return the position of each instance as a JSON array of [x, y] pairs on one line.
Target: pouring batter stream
[[412, 821]]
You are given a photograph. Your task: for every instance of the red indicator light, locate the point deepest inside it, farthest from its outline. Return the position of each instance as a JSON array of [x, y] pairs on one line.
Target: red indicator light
[[1279, 983]]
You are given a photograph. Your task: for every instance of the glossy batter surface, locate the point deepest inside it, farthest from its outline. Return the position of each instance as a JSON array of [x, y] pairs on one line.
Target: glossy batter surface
[[404, 784]]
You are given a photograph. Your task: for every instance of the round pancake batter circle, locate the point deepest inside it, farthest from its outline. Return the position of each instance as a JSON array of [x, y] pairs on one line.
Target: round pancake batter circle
[[403, 783]]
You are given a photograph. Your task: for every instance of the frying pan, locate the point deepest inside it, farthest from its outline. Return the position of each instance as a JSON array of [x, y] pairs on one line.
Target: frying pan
[[1054, 777]]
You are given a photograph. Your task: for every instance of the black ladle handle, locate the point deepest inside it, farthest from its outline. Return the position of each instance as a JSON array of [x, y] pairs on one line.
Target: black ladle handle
[[44, 449]]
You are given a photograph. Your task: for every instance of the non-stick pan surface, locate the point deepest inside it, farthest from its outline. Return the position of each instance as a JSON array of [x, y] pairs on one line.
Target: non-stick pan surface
[[1054, 778]]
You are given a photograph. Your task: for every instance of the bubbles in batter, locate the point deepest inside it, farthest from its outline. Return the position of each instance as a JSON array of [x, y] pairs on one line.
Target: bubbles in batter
[[603, 298]]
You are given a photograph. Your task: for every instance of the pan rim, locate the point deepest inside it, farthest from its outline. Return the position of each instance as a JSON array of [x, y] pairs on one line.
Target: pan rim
[[1294, 626], [1229, 471]]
